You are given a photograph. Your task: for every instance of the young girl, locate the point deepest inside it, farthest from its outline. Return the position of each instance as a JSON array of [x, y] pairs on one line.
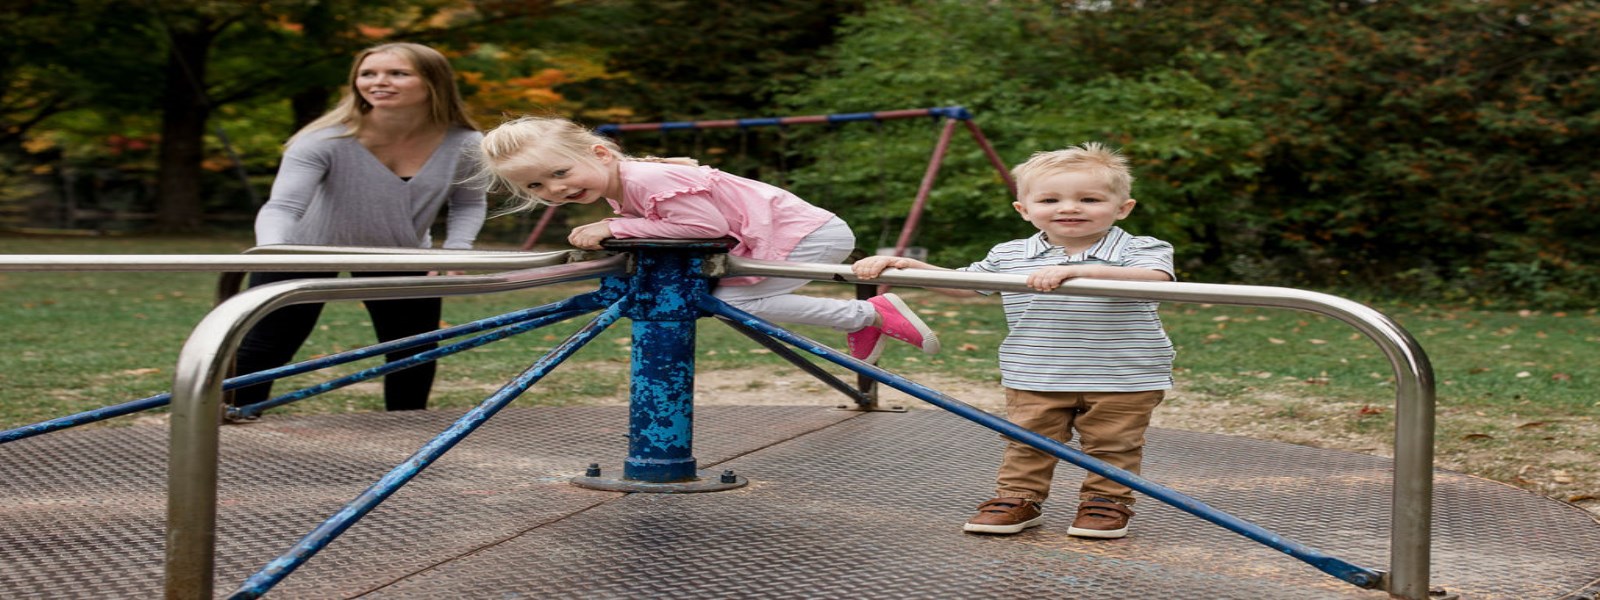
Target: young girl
[[555, 161]]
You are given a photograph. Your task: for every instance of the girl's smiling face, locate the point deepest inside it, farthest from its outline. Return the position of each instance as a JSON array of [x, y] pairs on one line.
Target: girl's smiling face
[[563, 180], [1074, 209]]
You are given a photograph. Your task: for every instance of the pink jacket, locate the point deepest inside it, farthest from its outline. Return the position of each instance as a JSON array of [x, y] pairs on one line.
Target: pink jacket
[[661, 200]]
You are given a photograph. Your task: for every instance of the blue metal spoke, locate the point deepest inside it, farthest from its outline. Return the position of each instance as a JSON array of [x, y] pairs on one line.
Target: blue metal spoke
[[319, 538], [252, 411], [586, 302]]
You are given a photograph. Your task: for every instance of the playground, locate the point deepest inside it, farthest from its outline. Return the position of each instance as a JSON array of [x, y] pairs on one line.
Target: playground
[[837, 485]]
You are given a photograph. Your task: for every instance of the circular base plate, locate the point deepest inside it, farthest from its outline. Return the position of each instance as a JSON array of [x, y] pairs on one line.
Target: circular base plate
[[706, 480]]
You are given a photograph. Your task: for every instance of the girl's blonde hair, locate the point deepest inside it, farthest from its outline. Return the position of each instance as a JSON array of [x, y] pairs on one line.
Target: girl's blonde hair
[[537, 143], [446, 106], [1091, 157]]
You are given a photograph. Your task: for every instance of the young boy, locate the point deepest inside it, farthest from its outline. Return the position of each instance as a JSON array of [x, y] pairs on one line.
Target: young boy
[[1095, 365]]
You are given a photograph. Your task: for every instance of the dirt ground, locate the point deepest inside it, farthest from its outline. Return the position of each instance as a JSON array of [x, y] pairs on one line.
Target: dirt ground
[[1307, 422]]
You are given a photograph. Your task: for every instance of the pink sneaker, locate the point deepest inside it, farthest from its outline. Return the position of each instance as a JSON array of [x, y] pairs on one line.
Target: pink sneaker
[[866, 344]]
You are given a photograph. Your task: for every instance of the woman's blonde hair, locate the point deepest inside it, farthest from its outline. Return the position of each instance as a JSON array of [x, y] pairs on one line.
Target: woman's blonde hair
[[444, 99], [1091, 157], [538, 142]]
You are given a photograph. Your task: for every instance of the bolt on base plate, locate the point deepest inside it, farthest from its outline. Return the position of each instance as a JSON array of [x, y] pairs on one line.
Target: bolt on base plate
[[706, 480]]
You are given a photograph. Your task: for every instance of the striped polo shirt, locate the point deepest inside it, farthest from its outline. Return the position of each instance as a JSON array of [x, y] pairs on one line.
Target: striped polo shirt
[[1078, 343]]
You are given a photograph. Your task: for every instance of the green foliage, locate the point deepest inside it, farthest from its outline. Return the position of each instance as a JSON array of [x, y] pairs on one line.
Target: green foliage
[[1189, 157], [1436, 150], [683, 60]]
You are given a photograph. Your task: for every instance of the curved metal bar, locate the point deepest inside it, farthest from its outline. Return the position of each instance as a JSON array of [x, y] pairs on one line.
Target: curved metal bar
[[310, 249], [366, 259], [252, 411], [1412, 507], [333, 526], [197, 391], [1322, 561]]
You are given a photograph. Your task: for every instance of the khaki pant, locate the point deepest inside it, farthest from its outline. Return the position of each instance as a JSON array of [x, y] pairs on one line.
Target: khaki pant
[[1110, 427]]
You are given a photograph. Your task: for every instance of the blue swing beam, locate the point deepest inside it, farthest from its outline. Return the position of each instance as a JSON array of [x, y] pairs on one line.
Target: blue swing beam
[[661, 286]]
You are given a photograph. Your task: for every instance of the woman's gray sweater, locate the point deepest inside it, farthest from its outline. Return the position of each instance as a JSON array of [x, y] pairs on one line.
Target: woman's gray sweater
[[331, 191]]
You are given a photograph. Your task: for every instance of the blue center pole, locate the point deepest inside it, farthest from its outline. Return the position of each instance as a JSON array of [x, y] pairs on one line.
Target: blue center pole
[[665, 287]]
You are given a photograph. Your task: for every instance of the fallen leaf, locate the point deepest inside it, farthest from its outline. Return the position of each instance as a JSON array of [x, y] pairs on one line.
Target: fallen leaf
[[1561, 477], [1561, 377], [760, 351], [147, 371], [1274, 340], [1477, 436], [1522, 374], [1317, 341], [968, 347], [1531, 425], [1214, 336], [1477, 370], [1582, 497], [1221, 318], [1368, 409]]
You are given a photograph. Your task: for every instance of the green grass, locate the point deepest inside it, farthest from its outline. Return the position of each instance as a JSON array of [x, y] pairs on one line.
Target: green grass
[[1524, 381], [77, 340]]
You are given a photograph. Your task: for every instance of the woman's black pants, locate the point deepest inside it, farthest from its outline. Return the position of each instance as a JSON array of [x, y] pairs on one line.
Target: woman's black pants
[[274, 340]]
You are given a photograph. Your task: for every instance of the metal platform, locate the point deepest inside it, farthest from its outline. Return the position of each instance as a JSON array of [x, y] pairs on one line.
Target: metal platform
[[840, 505]]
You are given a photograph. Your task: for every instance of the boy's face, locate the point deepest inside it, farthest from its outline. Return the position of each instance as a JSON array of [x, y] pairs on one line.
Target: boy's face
[[1074, 209]]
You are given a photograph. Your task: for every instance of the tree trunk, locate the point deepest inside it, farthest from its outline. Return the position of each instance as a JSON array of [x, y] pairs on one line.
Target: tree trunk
[[308, 104], [180, 205]]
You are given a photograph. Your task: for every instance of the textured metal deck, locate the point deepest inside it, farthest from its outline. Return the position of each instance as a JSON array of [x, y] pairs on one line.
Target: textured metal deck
[[840, 504]]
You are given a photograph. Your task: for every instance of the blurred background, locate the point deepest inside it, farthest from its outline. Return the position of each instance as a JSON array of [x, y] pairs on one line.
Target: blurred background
[[1439, 150]]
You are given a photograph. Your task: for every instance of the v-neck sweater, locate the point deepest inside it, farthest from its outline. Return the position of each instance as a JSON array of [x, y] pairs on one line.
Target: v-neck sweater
[[331, 191]]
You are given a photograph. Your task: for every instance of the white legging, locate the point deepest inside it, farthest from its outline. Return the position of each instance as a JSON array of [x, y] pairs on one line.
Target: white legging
[[772, 298]]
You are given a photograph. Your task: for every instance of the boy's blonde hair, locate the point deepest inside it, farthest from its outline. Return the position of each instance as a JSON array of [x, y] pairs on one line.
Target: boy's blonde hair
[[1092, 157], [539, 142]]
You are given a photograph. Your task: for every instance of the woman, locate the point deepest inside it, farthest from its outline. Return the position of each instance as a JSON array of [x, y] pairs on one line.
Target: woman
[[374, 171]]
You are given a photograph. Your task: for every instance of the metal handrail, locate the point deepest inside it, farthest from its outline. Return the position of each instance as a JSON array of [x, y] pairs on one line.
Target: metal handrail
[[291, 258], [196, 396], [1412, 506], [201, 367]]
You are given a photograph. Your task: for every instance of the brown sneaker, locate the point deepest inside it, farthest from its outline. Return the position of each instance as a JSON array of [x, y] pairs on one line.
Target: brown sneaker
[[1101, 518], [1005, 516]]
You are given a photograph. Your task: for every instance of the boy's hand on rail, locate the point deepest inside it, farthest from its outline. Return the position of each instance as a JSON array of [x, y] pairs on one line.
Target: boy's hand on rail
[[1050, 278], [588, 237]]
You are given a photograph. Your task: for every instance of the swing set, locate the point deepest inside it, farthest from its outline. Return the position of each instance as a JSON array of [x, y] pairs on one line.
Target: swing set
[[951, 115]]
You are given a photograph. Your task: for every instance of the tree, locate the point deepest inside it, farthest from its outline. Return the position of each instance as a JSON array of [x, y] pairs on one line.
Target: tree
[[1437, 148]]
